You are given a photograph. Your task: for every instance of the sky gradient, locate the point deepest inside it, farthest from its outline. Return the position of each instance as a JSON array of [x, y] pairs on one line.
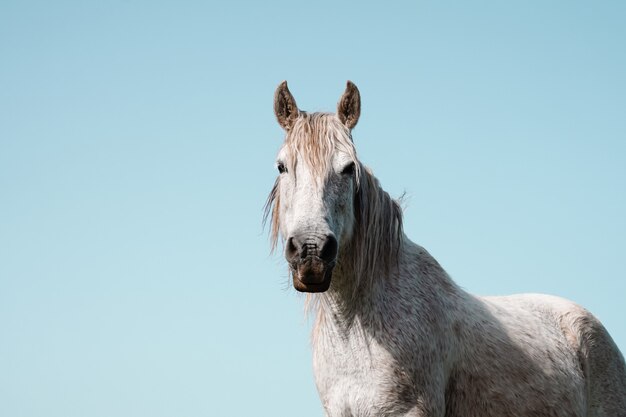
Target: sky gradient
[[137, 146]]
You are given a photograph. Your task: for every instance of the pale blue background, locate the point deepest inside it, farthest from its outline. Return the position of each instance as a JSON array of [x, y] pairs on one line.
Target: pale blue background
[[137, 143]]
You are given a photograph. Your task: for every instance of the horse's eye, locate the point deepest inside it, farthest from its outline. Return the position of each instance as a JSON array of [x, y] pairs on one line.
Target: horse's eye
[[348, 169], [281, 168]]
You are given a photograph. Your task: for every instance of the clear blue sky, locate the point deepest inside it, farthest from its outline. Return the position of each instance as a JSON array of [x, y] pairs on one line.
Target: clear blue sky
[[137, 143]]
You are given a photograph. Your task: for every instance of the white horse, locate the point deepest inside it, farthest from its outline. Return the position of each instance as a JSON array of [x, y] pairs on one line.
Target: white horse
[[393, 334]]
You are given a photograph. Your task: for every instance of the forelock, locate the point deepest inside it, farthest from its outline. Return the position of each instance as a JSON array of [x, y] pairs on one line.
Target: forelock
[[314, 138]]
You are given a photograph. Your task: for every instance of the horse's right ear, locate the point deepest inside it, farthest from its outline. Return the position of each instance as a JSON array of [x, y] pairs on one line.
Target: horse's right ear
[[285, 106]]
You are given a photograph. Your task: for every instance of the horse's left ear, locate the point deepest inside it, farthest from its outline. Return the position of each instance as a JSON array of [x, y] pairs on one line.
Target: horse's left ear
[[349, 106]]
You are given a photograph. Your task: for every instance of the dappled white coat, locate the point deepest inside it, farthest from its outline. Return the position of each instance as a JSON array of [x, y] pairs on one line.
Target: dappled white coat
[[418, 345]]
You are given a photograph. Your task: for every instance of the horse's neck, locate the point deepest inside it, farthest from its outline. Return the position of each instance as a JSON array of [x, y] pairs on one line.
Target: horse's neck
[[353, 299], [416, 284]]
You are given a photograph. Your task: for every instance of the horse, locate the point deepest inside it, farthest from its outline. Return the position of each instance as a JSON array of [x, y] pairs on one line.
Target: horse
[[393, 334]]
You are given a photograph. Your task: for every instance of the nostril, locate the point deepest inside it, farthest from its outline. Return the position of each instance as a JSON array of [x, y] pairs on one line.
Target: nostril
[[329, 250], [291, 251]]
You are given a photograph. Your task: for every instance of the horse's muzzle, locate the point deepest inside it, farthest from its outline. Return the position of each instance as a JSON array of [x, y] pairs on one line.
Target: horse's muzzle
[[312, 274], [312, 259]]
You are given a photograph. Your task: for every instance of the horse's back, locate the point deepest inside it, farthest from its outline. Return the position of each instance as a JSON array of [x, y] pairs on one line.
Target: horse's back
[[570, 347]]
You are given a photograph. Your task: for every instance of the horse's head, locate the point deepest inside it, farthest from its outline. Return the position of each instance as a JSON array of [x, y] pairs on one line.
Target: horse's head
[[314, 195]]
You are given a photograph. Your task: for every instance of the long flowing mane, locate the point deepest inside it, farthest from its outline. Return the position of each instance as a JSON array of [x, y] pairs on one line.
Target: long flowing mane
[[378, 234]]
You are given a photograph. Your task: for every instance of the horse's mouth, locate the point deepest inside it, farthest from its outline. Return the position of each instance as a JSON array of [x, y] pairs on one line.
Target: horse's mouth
[[312, 274]]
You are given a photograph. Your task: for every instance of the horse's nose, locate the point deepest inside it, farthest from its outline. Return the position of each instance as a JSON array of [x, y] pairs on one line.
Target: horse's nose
[[301, 247]]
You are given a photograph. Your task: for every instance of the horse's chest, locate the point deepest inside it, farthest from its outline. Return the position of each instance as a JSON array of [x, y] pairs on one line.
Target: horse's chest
[[355, 380]]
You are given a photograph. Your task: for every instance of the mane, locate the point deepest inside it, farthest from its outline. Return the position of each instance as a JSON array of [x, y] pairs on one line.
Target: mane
[[378, 232], [375, 246]]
